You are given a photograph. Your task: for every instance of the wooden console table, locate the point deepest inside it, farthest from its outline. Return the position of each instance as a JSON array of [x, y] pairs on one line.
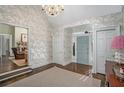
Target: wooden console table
[[111, 79]]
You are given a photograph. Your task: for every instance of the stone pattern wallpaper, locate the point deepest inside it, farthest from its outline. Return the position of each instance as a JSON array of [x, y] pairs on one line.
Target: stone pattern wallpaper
[[94, 22], [40, 38], [101, 21]]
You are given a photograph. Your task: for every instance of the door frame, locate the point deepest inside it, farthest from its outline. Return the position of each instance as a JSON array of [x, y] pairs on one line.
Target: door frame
[[10, 39], [74, 40], [29, 64], [117, 28]]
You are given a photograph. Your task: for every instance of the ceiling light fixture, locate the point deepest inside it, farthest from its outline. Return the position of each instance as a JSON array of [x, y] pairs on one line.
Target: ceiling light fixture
[[52, 10]]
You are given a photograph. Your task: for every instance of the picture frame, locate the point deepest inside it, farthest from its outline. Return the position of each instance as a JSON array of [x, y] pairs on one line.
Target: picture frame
[[24, 37]]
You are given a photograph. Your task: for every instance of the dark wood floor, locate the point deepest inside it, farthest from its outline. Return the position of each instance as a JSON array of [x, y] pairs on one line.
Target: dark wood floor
[[6, 65], [83, 69], [77, 68]]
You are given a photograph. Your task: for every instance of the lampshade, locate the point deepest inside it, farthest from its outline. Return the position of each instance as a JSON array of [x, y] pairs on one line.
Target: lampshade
[[118, 42]]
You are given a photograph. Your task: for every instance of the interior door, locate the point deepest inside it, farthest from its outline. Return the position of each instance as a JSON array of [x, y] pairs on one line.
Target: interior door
[[83, 49], [101, 51], [104, 50], [0, 50], [4, 48]]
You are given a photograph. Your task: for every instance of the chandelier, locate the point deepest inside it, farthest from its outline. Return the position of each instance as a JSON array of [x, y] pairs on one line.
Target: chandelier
[[52, 10]]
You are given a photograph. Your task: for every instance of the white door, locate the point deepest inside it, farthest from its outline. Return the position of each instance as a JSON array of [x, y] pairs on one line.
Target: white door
[[0, 48], [10, 45], [103, 45]]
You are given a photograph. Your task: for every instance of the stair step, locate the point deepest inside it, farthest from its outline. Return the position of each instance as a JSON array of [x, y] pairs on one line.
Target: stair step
[[14, 73]]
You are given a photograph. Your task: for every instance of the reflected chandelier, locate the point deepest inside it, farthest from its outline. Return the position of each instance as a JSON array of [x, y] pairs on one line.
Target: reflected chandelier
[[52, 10]]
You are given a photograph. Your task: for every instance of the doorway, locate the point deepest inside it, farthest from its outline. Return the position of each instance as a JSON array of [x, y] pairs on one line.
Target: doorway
[[83, 48], [13, 48], [5, 50]]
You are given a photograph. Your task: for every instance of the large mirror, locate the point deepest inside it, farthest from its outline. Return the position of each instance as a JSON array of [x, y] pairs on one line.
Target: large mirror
[[13, 47]]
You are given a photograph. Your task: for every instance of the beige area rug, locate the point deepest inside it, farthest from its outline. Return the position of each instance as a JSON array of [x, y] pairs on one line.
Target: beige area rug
[[19, 62], [57, 77]]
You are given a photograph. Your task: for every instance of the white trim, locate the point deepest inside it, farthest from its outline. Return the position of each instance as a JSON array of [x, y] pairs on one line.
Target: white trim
[[13, 71], [13, 24], [29, 49], [4, 34], [15, 75], [73, 41], [107, 28], [10, 43], [117, 28], [28, 29], [1, 50], [80, 34]]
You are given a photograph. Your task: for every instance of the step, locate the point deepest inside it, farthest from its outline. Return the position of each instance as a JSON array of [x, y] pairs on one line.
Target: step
[[14, 73]]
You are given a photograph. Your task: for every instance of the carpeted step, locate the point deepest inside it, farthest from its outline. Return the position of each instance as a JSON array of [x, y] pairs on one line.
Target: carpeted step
[[14, 73]]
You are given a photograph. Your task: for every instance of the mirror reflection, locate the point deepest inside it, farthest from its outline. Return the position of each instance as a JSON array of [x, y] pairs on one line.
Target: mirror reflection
[[13, 47]]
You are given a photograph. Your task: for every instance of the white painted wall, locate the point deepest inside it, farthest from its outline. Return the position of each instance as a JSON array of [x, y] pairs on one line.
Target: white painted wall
[[18, 32]]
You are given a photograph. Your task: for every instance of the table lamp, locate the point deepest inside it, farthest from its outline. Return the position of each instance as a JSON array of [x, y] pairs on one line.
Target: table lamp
[[118, 43]]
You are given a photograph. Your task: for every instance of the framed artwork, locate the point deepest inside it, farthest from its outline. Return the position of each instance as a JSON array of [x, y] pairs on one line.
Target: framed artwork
[[24, 37]]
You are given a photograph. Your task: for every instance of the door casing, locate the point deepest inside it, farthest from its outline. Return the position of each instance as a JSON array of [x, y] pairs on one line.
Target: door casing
[[75, 35], [117, 28]]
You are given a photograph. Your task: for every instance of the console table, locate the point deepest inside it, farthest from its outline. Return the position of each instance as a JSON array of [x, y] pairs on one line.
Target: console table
[[111, 79]]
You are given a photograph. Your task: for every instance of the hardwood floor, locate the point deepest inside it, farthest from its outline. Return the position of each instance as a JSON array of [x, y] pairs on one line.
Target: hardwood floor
[[77, 68], [6, 65], [83, 69], [35, 71]]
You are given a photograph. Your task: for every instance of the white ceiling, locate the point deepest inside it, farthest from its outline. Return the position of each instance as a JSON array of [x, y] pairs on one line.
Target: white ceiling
[[74, 13]]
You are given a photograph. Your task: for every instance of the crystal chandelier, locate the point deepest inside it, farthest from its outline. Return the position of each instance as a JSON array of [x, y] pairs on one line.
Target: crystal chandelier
[[52, 10]]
